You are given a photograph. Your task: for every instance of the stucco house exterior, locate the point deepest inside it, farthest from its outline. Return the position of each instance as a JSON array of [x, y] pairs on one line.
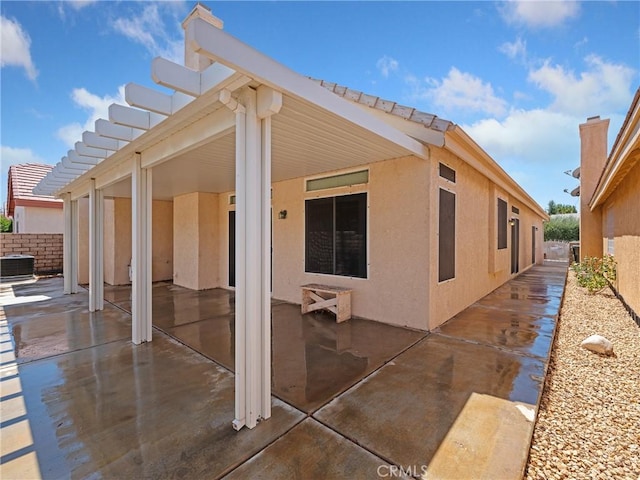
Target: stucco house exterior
[[254, 177], [610, 199], [32, 213]]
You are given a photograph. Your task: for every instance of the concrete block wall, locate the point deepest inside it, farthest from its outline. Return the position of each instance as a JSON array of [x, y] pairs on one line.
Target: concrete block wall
[[45, 247]]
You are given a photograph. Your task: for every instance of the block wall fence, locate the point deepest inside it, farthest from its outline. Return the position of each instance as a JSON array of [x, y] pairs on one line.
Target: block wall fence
[[45, 247]]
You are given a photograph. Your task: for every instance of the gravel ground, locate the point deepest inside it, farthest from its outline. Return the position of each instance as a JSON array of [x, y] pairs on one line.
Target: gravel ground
[[589, 420]]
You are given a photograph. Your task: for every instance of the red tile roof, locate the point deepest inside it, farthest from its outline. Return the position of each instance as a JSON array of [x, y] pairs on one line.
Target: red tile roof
[[22, 179]]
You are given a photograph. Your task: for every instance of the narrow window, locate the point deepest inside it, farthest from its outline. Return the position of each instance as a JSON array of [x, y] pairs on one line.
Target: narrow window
[[336, 239], [341, 180], [447, 173], [515, 210], [447, 236], [502, 224]]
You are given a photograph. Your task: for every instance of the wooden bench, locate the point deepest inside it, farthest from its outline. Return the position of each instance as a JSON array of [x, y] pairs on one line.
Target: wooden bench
[[335, 299]]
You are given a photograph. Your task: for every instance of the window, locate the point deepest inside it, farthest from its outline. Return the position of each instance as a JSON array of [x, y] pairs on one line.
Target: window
[[336, 235], [502, 224], [341, 180], [515, 210], [447, 173], [446, 236]]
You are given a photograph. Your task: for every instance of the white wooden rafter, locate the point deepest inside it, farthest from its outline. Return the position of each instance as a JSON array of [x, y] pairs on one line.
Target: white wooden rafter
[[134, 117], [88, 151], [92, 139]]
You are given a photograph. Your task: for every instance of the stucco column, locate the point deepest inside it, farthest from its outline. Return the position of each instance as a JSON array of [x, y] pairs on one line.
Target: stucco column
[[141, 249], [253, 255], [70, 245], [593, 156], [96, 248]]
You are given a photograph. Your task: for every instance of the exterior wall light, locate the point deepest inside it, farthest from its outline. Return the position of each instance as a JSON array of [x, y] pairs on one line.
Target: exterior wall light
[[282, 214], [512, 221]]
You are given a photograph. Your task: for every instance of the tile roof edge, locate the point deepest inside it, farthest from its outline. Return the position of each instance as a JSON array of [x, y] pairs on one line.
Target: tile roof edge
[[390, 107]]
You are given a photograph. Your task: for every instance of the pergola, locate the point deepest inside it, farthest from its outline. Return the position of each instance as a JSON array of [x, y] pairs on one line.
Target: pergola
[[236, 120]]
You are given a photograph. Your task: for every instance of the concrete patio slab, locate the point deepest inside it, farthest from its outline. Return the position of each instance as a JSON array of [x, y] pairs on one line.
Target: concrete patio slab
[[121, 411], [374, 400], [312, 451], [404, 411]]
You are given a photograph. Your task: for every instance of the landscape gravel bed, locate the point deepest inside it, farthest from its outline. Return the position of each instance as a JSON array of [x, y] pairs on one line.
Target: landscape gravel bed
[[588, 424]]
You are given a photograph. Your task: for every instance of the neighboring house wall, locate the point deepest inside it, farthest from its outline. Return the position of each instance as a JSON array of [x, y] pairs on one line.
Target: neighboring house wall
[[621, 224], [46, 249], [38, 220]]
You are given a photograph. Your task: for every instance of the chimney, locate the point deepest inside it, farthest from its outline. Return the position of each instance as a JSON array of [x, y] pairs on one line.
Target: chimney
[[192, 59], [593, 157]]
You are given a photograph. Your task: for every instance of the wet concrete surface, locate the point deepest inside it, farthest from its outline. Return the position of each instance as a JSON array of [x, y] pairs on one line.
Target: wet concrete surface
[[350, 397], [315, 450]]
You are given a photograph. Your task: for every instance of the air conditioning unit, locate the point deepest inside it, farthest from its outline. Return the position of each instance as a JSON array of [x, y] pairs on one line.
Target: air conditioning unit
[[16, 265]]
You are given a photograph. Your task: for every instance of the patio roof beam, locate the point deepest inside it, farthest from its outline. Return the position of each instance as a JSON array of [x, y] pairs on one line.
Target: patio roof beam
[[92, 139], [185, 80], [154, 101], [108, 129], [77, 167], [133, 117], [75, 157], [87, 151]]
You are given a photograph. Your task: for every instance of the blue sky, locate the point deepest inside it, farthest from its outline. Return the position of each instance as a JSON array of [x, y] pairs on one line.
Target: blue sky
[[519, 77]]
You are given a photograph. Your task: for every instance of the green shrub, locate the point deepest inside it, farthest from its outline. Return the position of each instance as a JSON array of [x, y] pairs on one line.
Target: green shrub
[[6, 224], [565, 229], [595, 273]]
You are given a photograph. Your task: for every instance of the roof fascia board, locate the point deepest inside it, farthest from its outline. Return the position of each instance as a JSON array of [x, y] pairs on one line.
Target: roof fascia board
[[461, 144], [217, 45], [624, 150]]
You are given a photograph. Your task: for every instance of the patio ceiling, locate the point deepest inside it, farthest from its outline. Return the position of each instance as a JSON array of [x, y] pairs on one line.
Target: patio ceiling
[[306, 140]]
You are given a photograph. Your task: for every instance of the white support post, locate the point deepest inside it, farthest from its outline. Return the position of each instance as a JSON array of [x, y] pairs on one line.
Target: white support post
[[74, 245], [141, 215], [67, 244], [96, 248], [253, 258]]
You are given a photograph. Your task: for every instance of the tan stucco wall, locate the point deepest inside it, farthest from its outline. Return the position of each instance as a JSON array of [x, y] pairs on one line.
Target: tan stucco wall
[[480, 267], [593, 155], [395, 290], [624, 206], [402, 241], [162, 240], [117, 240], [195, 240], [38, 220]]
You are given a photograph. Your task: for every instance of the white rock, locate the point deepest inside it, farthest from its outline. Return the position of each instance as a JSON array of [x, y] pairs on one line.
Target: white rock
[[598, 344]]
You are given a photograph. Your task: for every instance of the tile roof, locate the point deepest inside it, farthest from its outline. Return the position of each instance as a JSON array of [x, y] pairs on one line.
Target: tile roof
[[408, 113], [22, 178]]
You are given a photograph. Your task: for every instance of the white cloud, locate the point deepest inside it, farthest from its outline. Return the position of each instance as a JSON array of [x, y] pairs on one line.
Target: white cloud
[[534, 136], [148, 29], [79, 4], [515, 50], [539, 14], [387, 65], [602, 88], [458, 91], [98, 107], [13, 156], [16, 46]]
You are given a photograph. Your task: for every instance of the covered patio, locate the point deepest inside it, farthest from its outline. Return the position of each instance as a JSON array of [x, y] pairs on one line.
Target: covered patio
[[353, 400]]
